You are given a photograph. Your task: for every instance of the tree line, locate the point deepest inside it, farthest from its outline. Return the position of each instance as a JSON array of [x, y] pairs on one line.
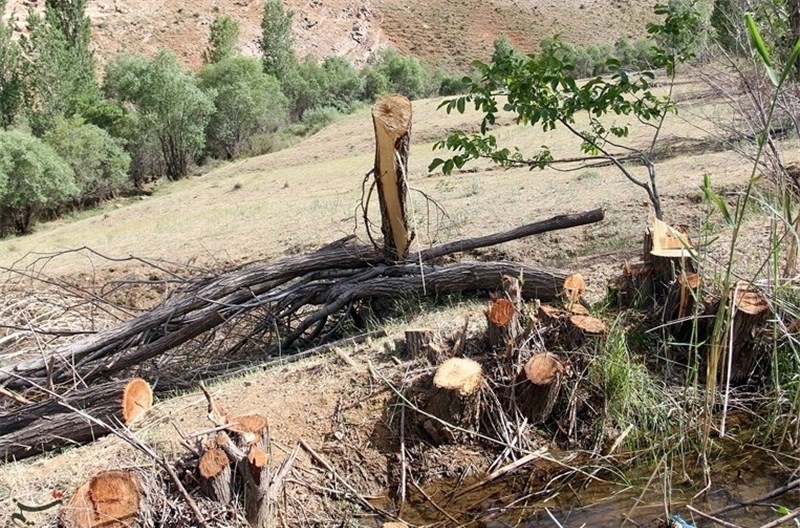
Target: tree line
[[72, 139]]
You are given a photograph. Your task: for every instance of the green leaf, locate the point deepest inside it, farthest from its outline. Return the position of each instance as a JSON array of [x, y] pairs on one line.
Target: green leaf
[[461, 105], [436, 163], [758, 42], [448, 167], [716, 200]]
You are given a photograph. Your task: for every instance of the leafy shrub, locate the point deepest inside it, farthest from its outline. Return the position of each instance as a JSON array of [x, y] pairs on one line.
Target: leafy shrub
[[247, 102], [98, 161], [34, 181], [341, 84], [406, 75], [374, 83], [173, 109]]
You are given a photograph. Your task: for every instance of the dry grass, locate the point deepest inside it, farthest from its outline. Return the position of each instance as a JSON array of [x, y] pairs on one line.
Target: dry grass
[[303, 197]]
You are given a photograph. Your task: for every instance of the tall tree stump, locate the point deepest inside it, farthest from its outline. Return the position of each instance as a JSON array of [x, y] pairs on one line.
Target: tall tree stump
[[455, 398], [750, 312], [216, 476], [505, 319], [391, 118], [537, 387]]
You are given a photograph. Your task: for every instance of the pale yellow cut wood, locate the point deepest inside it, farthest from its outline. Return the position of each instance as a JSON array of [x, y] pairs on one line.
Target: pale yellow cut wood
[[459, 374]]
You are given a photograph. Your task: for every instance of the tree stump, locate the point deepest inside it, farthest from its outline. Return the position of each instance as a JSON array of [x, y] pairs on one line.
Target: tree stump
[[537, 387], [455, 398], [668, 254], [423, 342], [111, 499], [680, 304], [751, 310], [216, 475], [505, 318], [391, 118]]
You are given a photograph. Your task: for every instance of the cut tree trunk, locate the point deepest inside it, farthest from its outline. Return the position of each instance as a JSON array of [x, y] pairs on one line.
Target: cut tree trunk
[[111, 499], [423, 342], [455, 398], [751, 310], [216, 475], [506, 327], [537, 387], [37, 428], [391, 117], [668, 254]]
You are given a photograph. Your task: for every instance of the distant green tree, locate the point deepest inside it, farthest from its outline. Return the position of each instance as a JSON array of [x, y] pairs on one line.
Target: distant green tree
[[59, 62], [223, 40], [247, 101], [503, 48], [374, 83], [11, 86], [406, 74], [99, 162], [173, 110], [304, 85], [277, 44], [34, 181], [341, 83]]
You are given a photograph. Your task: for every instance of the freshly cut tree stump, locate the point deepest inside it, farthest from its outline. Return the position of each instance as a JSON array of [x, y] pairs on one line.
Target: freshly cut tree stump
[[537, 387], [111, 499], [137, 398], [504, 318], [456, 399], [216, 475], [751, 310], [669, 253]]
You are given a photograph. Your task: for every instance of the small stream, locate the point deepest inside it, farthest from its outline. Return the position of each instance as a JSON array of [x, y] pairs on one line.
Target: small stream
[[517, 501]]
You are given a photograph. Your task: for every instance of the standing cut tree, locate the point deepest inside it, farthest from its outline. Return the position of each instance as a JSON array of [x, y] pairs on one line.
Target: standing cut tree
[[543, 90]]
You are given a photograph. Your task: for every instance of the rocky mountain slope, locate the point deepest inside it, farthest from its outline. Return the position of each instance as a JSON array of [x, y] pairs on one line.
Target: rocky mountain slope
[[444, 31]]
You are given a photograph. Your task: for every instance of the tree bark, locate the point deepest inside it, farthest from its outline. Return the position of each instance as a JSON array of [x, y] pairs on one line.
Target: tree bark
[[41, 427], [537, 387], [455, 398], [391, 117], [421, 342]]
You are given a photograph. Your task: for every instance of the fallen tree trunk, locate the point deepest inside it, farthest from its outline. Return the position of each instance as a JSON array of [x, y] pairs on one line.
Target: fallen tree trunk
[[37, 428]]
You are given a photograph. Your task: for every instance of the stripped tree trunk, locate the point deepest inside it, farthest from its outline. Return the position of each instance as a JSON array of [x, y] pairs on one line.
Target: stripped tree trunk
[[391, 117]]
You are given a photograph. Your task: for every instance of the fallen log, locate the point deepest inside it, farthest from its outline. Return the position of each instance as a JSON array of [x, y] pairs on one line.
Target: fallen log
[[40, 427], [285, 286]]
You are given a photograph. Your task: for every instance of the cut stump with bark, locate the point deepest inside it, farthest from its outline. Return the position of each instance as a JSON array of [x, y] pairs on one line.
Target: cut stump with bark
[[505, 318], [111, 499], [391, 118], [423, 343], [216, 475], [751, 311], [455, 398], [537, 387]]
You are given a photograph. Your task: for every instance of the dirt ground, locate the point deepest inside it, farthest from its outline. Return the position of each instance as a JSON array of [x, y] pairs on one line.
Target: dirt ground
[[298, 199]]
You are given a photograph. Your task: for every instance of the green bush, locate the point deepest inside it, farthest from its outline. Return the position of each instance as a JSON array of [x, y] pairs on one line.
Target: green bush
[[406, 75], [374, 83], [98, 161], [247, 101], [173, 110], [341, 83], [34, 181]]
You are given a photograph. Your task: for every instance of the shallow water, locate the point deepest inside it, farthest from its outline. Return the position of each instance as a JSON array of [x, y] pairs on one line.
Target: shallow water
[[518, 500]]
